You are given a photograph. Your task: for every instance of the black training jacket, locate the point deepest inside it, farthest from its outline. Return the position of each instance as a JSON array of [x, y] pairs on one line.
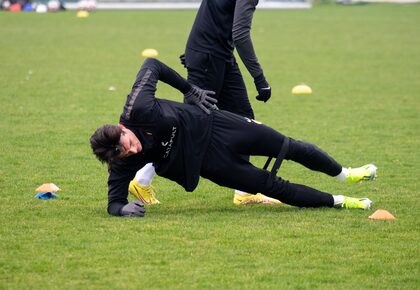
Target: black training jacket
[[221, 25], [174, 135]]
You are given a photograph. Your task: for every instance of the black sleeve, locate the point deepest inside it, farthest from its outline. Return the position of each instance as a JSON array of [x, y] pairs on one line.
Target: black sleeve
[[141, 101], [167, 75], [141, 107], [241, 33], [121, 172]]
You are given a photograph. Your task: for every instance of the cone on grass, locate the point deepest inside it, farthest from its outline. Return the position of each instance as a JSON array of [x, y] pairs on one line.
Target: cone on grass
[[382, 214], [150, 52], [301, 89], [48, 187], [82, 14]]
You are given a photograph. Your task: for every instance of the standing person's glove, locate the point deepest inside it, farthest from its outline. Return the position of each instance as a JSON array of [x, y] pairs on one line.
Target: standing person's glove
[[201, 98], [133, 209], [263, 88], [182, 59]]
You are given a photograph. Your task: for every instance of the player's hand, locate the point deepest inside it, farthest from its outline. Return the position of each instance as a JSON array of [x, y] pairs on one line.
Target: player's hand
[[182, 59], [263, 88], [201, 98], [133, 209]]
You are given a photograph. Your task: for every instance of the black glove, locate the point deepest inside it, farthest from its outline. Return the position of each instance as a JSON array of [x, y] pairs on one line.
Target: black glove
[[134, 208], [201, 98], [263, 88], [182, 58]]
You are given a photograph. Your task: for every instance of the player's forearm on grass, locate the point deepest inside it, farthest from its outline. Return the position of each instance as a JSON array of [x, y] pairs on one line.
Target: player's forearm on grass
[[121, 172], [117, 193], [115, 208]]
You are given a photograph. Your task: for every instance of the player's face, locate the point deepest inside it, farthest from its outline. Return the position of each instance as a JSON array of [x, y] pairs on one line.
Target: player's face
[[129, 143]]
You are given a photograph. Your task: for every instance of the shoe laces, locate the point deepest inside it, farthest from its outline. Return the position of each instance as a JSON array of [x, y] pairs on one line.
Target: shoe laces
[[150, 192], [357, 174], [350, 202]]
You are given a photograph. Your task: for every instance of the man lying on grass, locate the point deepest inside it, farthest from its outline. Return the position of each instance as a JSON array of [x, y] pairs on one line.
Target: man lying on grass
[[186, 141]]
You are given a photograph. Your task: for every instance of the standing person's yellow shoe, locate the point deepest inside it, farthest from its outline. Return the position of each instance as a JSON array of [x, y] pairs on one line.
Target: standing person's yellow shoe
[[247, 198], [144, 193], [366, 172]]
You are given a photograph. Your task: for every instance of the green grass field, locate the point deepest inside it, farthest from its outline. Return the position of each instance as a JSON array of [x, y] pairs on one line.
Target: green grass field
[[363, 63]]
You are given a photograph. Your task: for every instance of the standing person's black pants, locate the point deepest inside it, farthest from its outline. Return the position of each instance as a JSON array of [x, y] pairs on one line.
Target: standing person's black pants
[[221, 76], [234, 136]]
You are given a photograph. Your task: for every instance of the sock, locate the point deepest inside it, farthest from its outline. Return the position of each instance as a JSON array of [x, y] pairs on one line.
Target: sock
[[338, 200], [343, 174], [240, 192], [145, 175]]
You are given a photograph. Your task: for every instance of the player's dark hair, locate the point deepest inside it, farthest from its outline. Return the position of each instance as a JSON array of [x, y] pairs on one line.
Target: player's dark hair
[[105, 142]]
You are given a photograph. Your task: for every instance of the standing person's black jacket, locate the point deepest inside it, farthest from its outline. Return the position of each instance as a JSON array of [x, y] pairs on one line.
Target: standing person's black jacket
[[174, 135], [222, 25]]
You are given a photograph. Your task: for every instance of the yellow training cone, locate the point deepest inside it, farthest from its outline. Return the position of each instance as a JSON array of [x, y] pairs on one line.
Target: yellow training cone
[[150, 52], [301, 90], [82, 14], [381, 214]]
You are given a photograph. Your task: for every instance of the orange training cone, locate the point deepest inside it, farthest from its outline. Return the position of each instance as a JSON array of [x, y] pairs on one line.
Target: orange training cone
[[48, 187], [381, 214]]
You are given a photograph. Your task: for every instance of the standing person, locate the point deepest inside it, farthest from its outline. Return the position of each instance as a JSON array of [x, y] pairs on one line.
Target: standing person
[[184, 143], [219, 27]]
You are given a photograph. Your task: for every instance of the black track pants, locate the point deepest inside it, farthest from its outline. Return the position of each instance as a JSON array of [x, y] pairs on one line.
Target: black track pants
[[234, 136], [223, 77]]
